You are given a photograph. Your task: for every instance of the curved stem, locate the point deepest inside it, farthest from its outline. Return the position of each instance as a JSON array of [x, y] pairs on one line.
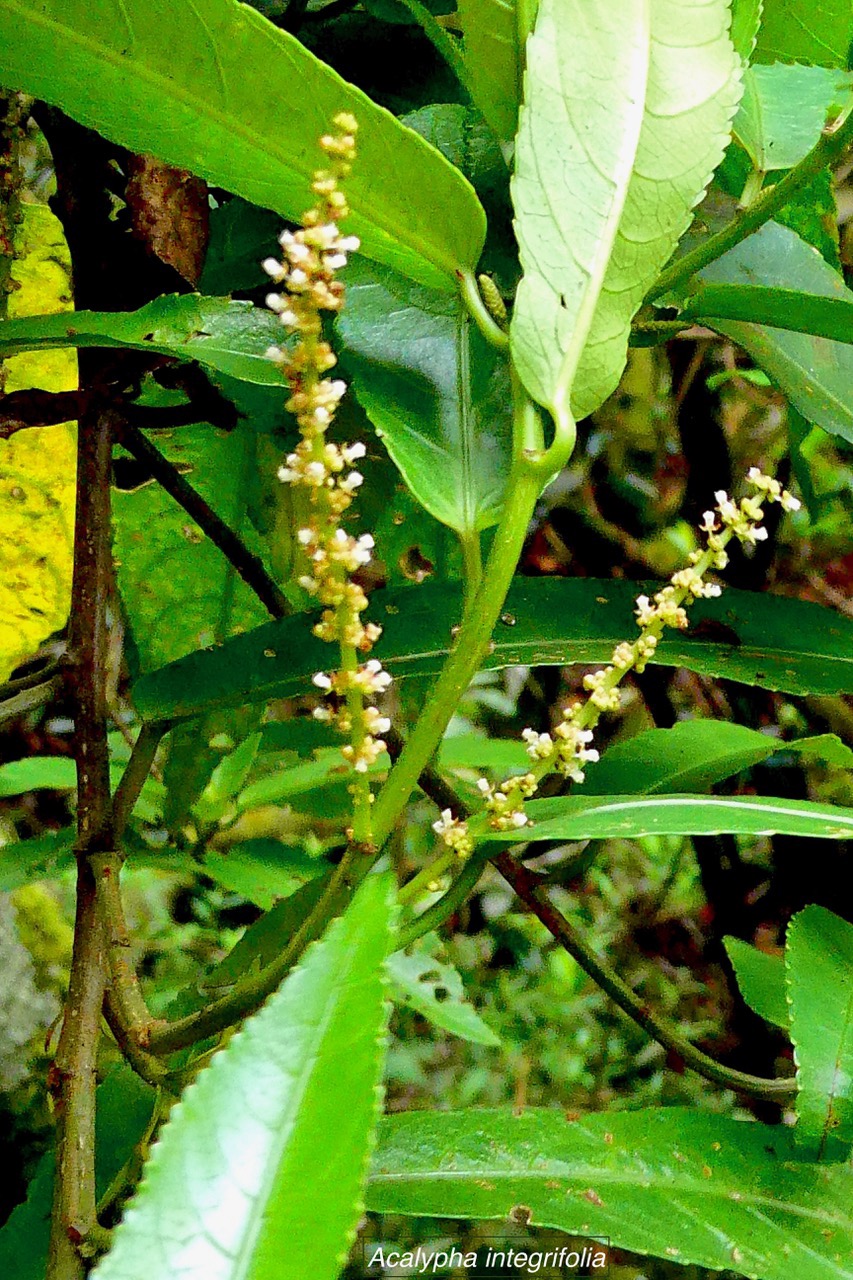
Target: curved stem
[[480, 314], [136, 773], [447, 904], [830, 146]]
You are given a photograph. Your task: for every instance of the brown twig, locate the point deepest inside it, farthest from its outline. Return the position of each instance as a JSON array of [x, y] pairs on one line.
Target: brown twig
[[249, 566], [74, 1205]]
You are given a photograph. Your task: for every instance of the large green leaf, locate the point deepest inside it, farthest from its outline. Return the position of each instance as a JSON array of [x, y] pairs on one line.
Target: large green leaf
[[580, 817], [761, 979], [437, 392], [494, 33], [217, 89], [816, 31], [619, 132], [774, 641], [816, 374], [258, 1174], [230, 337], [783, 110], [693, 755], [819, 962], [678, 1184]]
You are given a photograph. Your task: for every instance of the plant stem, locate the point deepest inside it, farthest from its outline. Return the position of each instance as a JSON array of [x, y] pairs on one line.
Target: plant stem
[[249, 566], [447, 904], [76, 1056], [480, 313], [829, 147], [136, 773], [525, 885], [472, 559]]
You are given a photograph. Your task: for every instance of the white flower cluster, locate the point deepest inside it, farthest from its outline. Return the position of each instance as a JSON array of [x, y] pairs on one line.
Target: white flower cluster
[[322, 470], [567, 749], [454, 833]]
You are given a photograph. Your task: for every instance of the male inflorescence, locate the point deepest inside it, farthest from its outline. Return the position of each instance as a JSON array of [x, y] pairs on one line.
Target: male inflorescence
[[307, 272], [566, 750]]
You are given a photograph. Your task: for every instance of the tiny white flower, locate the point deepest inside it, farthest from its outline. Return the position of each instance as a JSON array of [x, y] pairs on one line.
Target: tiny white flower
[[321, 680]]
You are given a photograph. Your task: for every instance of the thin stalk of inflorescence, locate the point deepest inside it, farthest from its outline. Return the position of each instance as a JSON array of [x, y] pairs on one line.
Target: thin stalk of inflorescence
[[319, 469]]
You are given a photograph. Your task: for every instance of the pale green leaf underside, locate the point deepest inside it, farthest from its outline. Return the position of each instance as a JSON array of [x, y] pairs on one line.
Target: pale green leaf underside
[[783, 111], [819, 963], [677, 1184], [258, 1174], [217, 89], [627, 112]]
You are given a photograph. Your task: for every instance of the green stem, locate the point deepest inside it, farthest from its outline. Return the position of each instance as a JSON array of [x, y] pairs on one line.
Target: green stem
[[446, 905], [475, 634], [480, 313], [472, 559], [830, 146]]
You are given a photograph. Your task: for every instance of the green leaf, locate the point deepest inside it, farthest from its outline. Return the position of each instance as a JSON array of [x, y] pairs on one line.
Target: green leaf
[[783, 111], [819, 962], [277, 1130], [746, 17], [267, 937], [222, 92], [815, 373], [580, 817], [774, 641], [693, 755], [678, 1184], [436, 391], [241, 236], [779, 308], [262, 871], [328, 769], [619, 133], [178, 589], [230, 337], [39, 858], [124, 1106], [494, 33], [816, 31], [434, 989], [761, 979]]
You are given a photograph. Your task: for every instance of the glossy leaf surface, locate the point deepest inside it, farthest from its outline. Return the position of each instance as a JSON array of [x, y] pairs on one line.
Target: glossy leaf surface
[[619, 133], [815, 374], [689, 1187], [819, 962], [783, 110], [780, 643], [761, 980], [817, 31], [230, 337], [437, 393], [778, 308], [259, 1171], [494, 33], [219, 90]]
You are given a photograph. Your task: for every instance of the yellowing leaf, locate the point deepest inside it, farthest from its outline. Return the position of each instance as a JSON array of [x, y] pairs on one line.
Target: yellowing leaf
[[37, 466]]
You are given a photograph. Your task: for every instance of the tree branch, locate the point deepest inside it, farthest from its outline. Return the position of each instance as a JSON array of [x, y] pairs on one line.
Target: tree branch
[[73, 1076]]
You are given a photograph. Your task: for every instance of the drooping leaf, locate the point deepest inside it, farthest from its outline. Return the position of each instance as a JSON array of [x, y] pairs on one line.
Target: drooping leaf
[[819, 963], [677, 1184], [37, 467], [580, 817], [777, 642], [437, 393], [815, 373], [692, 756], [619, 133], [230, 337], [494, 33], [434, 989], [259, 1172], [785, 309], [221, 91], [783, 111], [817, 31], [761, 979]]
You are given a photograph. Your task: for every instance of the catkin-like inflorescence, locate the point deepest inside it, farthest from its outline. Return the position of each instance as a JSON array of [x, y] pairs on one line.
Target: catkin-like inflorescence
[[325, 471], [567, 749]]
